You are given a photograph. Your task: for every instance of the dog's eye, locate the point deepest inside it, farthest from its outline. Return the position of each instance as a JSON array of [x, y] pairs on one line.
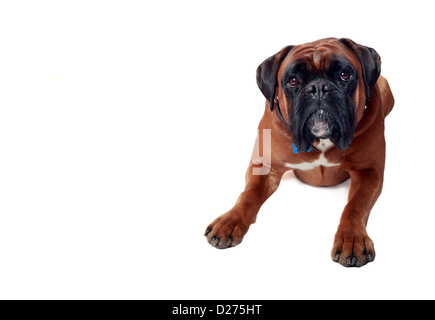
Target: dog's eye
[[293, 82], [345, 76]]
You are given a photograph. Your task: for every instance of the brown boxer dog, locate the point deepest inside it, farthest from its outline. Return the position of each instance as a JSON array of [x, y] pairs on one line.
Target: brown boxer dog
[[325, 110]]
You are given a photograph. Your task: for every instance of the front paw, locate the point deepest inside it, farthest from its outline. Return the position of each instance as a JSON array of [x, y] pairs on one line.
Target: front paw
[[226, 231], [352, 247]]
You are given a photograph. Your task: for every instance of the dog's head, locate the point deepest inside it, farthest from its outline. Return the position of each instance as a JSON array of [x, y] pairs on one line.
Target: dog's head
[[323, 87]]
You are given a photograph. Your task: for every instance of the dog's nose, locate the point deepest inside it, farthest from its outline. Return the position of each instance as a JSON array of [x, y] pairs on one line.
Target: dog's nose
[[318, 88]]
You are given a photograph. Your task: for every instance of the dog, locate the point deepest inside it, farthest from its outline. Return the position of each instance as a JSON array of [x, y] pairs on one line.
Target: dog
[[325, 108]]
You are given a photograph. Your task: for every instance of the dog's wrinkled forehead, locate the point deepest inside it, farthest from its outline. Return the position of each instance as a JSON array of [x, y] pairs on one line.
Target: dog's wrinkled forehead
[[318, 55]]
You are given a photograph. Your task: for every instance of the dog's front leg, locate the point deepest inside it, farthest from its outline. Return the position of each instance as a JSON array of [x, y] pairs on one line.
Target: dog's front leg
[[229, 229], [352, 245]]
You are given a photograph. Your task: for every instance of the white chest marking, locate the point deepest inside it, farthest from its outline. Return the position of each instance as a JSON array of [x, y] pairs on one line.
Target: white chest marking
[[322, 161]]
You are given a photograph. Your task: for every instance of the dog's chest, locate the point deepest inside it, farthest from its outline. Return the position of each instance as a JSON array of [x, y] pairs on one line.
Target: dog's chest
[[323, 146]]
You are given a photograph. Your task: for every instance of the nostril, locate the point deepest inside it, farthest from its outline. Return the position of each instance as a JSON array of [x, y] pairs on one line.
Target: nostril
[[311, 89], [318, 88]]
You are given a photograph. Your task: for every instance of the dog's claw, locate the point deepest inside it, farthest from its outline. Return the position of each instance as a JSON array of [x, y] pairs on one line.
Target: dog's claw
[[214, 241], [354, 260]]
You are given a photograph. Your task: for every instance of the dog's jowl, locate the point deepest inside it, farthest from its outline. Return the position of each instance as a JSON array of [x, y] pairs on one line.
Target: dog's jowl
[[325, 108]]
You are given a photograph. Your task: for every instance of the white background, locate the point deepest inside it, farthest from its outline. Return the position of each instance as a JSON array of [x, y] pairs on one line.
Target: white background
[[126, 127]]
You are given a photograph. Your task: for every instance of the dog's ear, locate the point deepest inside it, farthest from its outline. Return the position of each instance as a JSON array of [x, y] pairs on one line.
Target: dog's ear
[[267, 73], [370, 62]]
